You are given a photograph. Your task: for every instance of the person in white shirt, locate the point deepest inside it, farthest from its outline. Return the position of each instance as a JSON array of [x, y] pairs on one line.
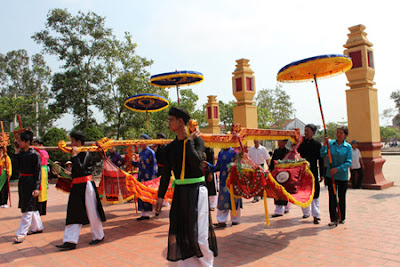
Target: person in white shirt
[[259, 155], [357, 167]]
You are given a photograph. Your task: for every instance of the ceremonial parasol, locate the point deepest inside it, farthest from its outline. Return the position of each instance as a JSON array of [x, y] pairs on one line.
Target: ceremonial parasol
[[176, 78], [146, 103], [310, 69]]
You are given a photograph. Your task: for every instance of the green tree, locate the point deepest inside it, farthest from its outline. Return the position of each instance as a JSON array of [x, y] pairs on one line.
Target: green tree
[[188, 101], [396, 97], [125, 76], [226, 113], [273, 107], [389, 133], [79, 42], [24, 87], [51, 138], [92, 133]]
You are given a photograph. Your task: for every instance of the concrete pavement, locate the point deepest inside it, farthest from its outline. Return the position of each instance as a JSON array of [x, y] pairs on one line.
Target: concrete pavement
[[370, 236]]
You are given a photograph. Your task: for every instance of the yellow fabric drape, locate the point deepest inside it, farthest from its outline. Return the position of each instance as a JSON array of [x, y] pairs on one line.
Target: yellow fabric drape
[[43, 185], [5, 162]]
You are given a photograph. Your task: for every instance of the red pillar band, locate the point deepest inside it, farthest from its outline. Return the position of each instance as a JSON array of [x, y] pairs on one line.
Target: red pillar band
[[373, 176]]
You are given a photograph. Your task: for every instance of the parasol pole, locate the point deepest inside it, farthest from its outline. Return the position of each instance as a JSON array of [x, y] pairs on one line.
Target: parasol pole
[[147, 120], [329, 149], [177, 92]]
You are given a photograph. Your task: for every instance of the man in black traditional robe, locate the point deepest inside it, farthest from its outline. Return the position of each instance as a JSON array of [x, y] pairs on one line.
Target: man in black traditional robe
[[27, 163], [191, 238], [211, 179], [281, 206], [84, 206], [310, 150]]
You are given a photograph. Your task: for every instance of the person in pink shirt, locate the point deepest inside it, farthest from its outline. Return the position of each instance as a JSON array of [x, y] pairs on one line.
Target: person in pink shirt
[[44, 161]]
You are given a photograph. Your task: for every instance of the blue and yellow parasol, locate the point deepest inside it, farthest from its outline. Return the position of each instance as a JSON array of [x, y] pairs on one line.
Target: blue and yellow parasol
[[310, 69], [176, 78], [146, 103], [314, 67]]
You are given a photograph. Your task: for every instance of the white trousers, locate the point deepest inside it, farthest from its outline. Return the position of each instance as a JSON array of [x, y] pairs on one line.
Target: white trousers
[[145, 213], [280, 209], [213, 201], [222, 216], [28, 219], [71, 233], [312, 209], [202, 222]]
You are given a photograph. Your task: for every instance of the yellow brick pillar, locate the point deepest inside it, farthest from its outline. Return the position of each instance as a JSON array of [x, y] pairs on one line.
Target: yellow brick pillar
[[362, 107], [244, 89], [212, 113]]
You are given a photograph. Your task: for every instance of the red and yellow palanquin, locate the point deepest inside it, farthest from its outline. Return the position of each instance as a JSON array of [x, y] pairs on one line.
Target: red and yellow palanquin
[[245, 179], [117, 186]]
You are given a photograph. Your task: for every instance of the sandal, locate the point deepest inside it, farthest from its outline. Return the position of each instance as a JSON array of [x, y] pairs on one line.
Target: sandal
[[19, 239]]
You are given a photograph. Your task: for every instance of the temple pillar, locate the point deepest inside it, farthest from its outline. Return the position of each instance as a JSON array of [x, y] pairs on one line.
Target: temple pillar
[[362, 107], [212, 110], [243, 87]]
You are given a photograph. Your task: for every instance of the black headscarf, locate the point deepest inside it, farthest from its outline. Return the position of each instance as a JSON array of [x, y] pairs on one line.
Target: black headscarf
[[180, 113]]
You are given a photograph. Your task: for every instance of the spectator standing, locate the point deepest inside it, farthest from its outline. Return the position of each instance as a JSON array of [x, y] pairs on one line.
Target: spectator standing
[[341, 153], [357, 166]]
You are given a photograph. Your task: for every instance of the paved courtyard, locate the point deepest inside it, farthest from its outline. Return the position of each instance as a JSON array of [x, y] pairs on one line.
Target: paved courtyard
[[370, 236]]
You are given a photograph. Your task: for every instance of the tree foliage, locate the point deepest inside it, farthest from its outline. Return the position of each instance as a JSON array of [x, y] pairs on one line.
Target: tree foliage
[[389, 133], [126, 75], [24, 89], [331, 129], [273, 107], [226, 113], [396, 97], [51, 138], [79, 42], [188, 100]]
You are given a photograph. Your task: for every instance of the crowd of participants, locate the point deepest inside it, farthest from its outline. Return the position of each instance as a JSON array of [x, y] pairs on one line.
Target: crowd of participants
[[200, 185]]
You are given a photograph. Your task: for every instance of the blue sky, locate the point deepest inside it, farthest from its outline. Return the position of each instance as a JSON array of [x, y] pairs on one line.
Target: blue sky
[[208, 36]]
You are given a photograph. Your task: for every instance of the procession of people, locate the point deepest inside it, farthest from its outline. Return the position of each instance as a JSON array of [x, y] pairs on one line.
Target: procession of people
[[191, 237]]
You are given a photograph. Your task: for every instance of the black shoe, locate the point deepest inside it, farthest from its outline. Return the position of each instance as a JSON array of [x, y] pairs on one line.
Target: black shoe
[[341, 221], [306, 216], [235, 223], [96, 241], [276, 215], [66, 246], [34, 233], [316, 220], [332, 224], [219, 225], [255, 200], [286, 211], [143, 218]]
